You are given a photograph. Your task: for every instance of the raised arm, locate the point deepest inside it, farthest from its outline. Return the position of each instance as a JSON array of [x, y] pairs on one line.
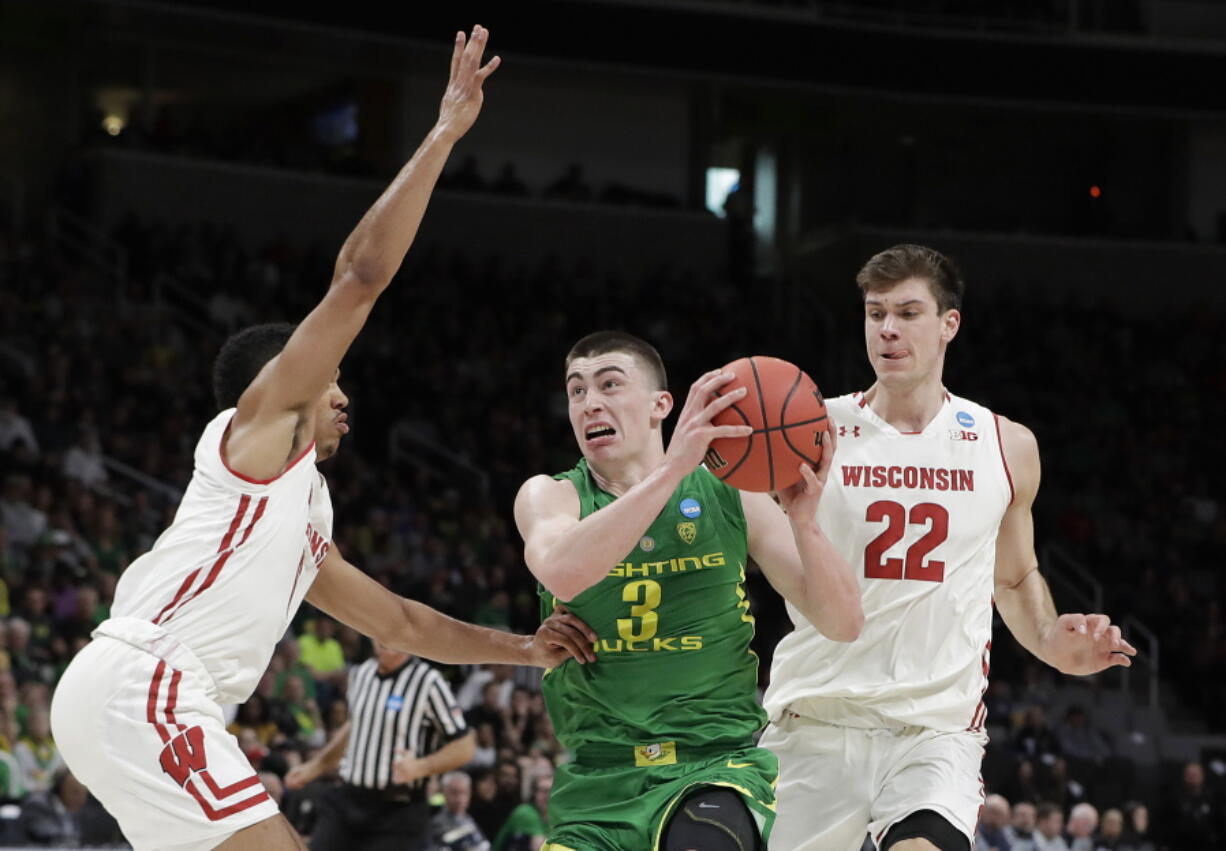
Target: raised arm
[[568, 555], [1072, 643], [799, 560], [267, 430], [353, 598]]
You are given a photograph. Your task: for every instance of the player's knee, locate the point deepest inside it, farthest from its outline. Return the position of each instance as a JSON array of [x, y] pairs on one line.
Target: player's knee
[[712, 819], [923, 830]]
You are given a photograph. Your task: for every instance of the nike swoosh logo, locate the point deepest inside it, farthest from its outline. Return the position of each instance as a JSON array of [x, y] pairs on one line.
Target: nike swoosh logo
[[732, 764]]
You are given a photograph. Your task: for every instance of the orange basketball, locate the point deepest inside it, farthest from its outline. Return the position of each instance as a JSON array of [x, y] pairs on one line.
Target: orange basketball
[[788, 416]]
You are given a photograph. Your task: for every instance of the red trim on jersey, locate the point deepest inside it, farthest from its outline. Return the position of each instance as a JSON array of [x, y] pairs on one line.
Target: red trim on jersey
[[297, 576], [981, 711], [216, 815], [255, 518], [911, 432], [224, 553], [863, 399], [1004, 460], [221, 454], [155, 686], [172, 698]]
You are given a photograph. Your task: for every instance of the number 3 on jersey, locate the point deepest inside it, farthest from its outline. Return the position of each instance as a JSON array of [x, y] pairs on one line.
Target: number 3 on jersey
[[644, 595], [876, 566]]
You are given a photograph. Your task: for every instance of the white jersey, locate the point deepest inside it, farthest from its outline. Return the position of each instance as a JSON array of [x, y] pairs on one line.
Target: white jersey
[[916, 515], [228, 575]]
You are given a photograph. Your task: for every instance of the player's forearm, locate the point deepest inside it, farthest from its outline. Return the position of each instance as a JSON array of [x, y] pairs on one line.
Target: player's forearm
[[432, 635], [450, 756], [587, 552], [1028, 611], [329, 757], [375, 249], [829, 589]]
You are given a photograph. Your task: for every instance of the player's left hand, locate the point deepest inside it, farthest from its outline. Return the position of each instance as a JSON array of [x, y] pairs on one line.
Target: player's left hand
[[1086, 644], [560, 637], [463, 98]]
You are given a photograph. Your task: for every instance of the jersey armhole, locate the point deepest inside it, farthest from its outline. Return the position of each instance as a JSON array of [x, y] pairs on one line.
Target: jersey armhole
[[221, 455], [1000, 444]]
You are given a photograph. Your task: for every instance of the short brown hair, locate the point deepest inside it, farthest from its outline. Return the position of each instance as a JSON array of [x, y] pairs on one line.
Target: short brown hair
[[897, 263], [604, 342]]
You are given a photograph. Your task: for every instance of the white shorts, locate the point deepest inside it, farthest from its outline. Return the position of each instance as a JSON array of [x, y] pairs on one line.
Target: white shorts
[[837, 783], [147, 740]]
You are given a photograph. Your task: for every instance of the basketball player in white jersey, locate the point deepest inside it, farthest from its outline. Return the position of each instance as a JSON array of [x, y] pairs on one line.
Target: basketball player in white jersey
[[929, 499], [137, 714]]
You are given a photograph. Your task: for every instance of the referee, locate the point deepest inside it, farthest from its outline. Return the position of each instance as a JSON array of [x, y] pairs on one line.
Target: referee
[[404, 727]]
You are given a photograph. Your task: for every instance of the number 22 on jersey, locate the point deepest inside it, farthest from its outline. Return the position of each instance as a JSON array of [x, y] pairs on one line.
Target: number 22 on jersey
[[929, 514]]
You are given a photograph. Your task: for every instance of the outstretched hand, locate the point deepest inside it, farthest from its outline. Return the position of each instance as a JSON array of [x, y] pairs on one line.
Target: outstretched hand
[[463, 98], [1086, 644]]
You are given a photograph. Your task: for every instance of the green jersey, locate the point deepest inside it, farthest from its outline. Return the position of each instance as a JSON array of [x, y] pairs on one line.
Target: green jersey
[[674, 679]]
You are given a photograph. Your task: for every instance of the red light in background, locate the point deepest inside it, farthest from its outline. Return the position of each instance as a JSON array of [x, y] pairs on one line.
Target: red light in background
[[1095, 191]]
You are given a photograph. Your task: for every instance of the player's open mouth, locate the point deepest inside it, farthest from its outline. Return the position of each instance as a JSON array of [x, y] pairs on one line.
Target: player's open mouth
[[600, 434]]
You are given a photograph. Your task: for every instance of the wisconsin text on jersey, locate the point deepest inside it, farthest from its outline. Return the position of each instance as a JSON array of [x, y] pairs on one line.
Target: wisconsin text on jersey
[[912, 478]]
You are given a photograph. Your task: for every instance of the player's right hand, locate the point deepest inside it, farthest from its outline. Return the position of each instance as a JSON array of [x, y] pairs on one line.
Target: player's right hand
[[694, 430], [463, 98]]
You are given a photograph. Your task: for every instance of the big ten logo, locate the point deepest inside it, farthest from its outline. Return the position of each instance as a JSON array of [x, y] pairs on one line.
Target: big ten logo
[[956, 434], [184, 755]]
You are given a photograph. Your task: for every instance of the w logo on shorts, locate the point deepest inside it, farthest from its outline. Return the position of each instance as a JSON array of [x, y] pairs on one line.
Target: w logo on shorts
[[184, 759], [184, 755]]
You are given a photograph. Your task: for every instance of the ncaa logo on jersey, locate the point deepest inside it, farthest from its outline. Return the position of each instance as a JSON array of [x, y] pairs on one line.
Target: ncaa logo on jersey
[[394, 703], [690, 508], [965, 420], [688, 531]]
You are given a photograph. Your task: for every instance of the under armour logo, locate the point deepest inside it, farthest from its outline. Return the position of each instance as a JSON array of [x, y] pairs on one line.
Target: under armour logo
[[855, 431]]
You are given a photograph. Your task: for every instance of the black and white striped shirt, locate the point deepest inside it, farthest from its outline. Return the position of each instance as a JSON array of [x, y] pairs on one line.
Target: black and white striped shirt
[[412, 707]]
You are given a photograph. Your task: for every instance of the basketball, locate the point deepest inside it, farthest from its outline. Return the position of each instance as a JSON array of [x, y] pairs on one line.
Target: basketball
[[788, 416]]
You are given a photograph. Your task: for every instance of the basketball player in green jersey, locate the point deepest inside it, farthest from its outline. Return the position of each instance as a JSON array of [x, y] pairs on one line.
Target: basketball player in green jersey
[[649, 548]]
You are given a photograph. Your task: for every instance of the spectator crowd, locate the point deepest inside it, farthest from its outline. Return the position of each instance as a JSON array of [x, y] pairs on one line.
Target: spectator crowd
[[456, 399]]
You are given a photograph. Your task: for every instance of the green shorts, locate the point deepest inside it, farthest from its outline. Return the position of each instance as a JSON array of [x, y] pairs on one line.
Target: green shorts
[[625, 807]]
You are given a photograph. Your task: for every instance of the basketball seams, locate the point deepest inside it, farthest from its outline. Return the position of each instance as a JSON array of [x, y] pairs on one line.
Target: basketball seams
[[770, 455], [785, 425], [748, 443]]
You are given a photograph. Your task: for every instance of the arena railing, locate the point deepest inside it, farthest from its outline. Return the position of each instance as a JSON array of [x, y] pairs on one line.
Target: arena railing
[[1075, 586], [410, 443], [169, 492], [73, 236]]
